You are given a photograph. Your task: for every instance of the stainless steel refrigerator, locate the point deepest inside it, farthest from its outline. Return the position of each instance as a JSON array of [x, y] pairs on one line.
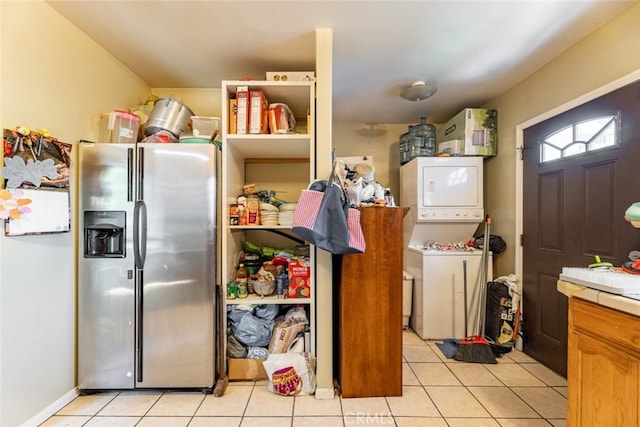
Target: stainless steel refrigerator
[[146, 265]]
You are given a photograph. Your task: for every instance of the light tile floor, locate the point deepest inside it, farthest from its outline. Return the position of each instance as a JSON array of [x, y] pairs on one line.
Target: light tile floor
[[437, 391]]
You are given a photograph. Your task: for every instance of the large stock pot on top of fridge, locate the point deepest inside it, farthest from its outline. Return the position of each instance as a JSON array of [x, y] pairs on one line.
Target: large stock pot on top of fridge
[[168, 114]]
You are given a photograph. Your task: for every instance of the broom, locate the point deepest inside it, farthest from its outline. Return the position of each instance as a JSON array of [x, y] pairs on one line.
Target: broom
[[476, 348]]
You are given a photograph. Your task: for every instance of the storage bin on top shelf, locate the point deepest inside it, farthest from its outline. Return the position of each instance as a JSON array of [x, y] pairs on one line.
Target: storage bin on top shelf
[[471, 132]]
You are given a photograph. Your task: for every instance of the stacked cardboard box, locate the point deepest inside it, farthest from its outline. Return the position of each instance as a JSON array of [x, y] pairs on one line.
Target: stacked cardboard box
[[472, 132]]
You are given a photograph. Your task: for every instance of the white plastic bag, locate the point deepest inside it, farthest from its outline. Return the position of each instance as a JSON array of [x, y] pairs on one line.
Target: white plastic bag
[[354, 190], [291, 374]]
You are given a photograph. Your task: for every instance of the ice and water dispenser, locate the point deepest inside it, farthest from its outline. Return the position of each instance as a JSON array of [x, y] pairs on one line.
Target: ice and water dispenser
[[104, 234]]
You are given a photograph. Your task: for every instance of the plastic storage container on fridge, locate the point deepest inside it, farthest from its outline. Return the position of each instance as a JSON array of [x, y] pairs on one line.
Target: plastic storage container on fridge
[[123, 126], [205, 127]]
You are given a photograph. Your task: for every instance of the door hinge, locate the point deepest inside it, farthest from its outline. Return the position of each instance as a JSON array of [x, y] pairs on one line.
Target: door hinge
[[521, 149], [522, 240]]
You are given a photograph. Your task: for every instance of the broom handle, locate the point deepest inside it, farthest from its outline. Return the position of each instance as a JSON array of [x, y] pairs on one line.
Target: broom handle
[[485, 270], [464, 278], [482, 277]]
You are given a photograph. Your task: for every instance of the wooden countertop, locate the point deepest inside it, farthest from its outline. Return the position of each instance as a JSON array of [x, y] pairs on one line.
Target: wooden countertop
[[617, 302]]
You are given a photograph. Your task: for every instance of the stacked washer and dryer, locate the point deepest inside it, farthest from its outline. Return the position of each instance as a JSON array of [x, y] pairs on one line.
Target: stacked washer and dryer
[[445, 197]]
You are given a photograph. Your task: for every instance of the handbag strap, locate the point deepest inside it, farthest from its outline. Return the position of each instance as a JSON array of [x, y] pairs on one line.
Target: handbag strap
[[341, 184], [343, 188], [333, 166]]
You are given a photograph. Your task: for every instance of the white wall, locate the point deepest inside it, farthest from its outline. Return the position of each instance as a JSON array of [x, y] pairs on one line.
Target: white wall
[[379, 141], [53, 76], [202, 101], [610, 52]]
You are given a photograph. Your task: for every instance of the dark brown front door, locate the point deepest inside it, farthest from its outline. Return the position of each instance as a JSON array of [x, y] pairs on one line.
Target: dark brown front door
[[573, 209]]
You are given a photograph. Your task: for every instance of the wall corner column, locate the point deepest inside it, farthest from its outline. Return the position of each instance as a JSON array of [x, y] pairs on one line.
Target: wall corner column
[[324, 272]]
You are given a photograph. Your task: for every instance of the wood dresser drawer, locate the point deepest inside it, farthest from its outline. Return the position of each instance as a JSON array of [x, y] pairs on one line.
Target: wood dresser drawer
[[612, 325]]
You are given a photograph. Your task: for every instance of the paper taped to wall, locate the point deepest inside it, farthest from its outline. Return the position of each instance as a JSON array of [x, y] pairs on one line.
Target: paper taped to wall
[[49, 214]]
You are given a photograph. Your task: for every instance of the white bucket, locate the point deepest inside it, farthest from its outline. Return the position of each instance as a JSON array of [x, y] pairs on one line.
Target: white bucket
[[407, 297]]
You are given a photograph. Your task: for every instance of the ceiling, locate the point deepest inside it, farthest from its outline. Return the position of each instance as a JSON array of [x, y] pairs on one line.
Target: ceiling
[[472, 51]]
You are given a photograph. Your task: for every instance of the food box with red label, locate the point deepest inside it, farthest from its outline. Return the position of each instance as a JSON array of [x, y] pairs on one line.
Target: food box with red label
[[299, 275], [259, 117], [242, 110]]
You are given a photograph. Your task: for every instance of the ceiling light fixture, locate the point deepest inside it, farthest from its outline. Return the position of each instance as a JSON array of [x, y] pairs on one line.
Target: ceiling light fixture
[[418, 91]]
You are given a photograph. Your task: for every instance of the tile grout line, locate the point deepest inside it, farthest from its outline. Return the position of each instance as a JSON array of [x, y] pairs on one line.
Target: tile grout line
[[394, 417], [504, 385], [103, 406]]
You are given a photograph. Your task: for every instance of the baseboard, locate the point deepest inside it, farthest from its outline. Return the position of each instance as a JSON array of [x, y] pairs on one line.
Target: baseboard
[[51, 410], [325, 393]]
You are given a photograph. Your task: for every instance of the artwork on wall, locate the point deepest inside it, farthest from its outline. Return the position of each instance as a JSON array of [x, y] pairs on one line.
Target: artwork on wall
[[13, 205], [35, 182], [29, 156]]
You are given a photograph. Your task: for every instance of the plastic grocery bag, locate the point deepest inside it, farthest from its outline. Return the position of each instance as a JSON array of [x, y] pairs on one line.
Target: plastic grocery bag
[[291, 374], [249, 329]]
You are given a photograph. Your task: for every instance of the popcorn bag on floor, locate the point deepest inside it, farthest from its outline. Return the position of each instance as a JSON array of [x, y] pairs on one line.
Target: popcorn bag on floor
[[291, 374]]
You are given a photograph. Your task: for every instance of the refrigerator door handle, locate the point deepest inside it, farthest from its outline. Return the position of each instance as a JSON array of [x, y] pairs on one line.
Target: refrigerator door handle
[[140, 233], [129, 174], [139, 324], [140, 177]]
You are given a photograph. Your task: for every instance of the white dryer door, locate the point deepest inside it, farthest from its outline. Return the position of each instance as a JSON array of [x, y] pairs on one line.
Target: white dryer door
[[450, 186]]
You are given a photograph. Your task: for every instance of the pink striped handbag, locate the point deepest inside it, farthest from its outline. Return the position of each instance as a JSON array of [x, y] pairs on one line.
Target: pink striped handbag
[[324, 218]]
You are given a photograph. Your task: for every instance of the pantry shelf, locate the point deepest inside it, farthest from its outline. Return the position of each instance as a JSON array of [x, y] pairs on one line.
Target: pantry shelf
[[277, 160], [282, 164], [272, 299], [274, 146], [258, 227], [293, 93]]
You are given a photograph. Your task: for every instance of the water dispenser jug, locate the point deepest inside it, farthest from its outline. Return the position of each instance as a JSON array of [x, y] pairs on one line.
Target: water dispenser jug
[[424, 137]]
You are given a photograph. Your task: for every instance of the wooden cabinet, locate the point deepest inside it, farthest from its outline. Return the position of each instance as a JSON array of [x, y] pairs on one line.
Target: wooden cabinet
[[370, 309], [603, 366]]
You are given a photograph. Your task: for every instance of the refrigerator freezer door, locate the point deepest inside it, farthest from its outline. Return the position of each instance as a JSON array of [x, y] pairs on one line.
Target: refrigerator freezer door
[[176, 319], [106, 333]]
